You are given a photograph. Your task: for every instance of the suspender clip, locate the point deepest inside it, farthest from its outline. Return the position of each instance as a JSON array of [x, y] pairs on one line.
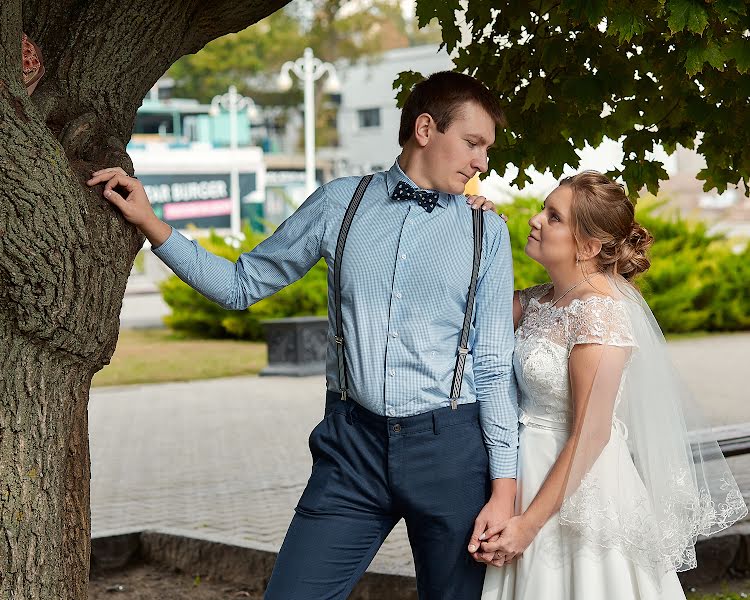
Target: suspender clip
[[343, 395], [463, 351], [454, 404], [339, 340]]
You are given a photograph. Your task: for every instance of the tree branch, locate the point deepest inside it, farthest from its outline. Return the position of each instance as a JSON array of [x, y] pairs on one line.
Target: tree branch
[[103, 56], [210, 20]]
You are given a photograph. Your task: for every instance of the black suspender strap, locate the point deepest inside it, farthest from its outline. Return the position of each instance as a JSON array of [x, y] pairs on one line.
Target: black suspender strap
[[348, 217], [463, 346]]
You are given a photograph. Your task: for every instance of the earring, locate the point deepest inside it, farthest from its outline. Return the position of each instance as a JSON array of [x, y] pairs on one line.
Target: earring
[[577, 259]]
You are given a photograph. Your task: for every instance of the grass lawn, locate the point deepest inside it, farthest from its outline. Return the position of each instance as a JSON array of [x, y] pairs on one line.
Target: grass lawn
[[160, 355]]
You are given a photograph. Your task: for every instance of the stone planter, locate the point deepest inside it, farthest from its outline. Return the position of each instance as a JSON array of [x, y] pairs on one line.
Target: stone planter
[[296, 346]]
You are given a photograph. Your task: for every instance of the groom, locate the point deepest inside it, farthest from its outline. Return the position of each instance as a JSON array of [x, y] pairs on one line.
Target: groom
[[398, 443]]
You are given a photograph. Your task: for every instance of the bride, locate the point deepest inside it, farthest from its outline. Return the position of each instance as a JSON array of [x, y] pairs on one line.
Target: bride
[[611, 493]]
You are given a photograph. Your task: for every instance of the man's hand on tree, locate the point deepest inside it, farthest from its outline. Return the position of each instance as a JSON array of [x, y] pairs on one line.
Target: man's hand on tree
[[135, 207]]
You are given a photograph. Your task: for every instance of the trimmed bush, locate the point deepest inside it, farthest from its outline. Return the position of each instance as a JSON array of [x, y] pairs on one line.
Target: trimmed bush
[[696, 282], [195, 314]]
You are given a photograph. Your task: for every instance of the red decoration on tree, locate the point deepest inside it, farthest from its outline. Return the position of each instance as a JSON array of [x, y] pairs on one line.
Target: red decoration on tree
[[33, 67]]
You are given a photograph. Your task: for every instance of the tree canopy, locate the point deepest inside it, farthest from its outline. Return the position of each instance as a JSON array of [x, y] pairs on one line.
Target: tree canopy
[[334, 29], [570, 72]]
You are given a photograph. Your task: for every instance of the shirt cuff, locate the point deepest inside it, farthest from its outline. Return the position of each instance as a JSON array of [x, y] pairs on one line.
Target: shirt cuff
[[503, 462], [173, 247]]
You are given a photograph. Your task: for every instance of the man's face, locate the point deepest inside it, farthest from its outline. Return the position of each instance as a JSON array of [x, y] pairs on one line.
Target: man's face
[[459, 153]]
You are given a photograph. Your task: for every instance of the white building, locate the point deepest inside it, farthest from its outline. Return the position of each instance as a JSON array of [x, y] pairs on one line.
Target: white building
[[368, 119]]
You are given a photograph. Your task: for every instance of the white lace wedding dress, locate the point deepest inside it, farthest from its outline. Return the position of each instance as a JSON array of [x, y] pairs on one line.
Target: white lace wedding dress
[[559, 564]]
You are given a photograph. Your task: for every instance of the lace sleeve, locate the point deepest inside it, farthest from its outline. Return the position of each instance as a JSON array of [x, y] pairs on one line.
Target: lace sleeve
[[536, 291], [599, 320]]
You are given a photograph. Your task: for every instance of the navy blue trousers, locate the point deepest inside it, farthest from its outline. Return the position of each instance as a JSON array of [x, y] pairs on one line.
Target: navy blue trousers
[[369, 472]]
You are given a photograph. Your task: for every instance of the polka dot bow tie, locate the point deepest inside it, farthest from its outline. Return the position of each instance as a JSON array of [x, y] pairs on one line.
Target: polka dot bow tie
[[426, 200]]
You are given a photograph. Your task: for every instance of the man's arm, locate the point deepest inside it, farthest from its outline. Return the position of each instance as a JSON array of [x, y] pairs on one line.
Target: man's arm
[[493, 378], [276, 262]]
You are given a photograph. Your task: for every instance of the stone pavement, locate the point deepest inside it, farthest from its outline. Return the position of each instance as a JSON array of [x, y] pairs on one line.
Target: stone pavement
[[227, 459]]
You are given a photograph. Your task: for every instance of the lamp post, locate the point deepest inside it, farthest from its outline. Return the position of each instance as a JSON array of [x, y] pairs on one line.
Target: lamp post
[[309, 69], [233, 102]]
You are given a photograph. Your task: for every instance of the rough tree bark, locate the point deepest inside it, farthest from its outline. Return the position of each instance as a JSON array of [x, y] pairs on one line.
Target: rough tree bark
[[65, 254]]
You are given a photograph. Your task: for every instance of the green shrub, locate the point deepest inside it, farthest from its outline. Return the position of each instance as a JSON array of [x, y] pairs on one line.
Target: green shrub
[[195, 314], [695, 283]]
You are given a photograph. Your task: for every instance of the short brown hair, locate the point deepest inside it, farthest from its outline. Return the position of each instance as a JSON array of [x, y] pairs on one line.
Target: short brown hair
[[441, 96], [602, 210]]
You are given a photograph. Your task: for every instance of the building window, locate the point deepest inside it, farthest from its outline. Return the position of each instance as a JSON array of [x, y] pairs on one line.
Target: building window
[[369, 117]]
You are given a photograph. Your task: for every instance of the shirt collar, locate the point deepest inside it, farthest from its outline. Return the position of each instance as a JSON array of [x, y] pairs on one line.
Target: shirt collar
[[396, 174]]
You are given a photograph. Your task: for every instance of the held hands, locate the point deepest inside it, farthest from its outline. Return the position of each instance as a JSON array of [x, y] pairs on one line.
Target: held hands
[[480, 202], [510, 539], [492, 517]]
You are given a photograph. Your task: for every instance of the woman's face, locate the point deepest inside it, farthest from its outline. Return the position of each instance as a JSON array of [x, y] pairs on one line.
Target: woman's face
[[551, 242]]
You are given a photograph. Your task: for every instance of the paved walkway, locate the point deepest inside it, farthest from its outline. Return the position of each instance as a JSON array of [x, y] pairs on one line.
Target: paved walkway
[[227, 459]]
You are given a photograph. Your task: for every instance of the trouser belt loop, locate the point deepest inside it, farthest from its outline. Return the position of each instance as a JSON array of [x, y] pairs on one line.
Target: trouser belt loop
[[349, 413], [435, 424]]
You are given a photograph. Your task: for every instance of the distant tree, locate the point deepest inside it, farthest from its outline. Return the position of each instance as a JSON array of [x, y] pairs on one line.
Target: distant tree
[[570, 72], [336, 30], [233, 58]]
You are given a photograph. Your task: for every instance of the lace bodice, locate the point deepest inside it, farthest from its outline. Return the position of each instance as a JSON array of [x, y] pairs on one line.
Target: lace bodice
[[544, 339]]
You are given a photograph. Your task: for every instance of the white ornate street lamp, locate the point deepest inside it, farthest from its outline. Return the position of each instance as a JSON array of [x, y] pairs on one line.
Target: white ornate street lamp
[[309, 69], [234, 102]]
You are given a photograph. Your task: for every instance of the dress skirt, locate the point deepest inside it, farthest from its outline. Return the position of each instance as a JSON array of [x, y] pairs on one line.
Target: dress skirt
[[557, 566]]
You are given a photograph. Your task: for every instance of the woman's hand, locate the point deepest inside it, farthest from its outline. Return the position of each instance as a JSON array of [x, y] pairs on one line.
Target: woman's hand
[[516, 534], [135, 207], [478, 202]]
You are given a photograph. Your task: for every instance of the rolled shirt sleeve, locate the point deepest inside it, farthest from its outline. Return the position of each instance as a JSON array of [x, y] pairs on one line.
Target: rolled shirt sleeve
[[283, 258], [493, 356]]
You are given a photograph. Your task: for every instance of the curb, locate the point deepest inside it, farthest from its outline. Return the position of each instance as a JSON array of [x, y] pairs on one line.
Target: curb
[[244, 565], [723, 556]]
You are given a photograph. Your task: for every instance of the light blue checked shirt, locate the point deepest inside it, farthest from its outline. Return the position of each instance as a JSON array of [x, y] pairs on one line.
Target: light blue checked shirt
[[404, 282]]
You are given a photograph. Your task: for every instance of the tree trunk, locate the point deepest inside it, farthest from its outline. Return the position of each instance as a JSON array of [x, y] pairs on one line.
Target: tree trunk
[[65, 253]]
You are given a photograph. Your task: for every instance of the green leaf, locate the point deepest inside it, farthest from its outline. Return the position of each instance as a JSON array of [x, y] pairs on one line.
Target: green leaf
[[639, 173], [739, 51], [444, 11], [404, 83], [688, 14], [699, 55], [730, 10], [580, 11], [714, 177], [625, 25], [535, 94]]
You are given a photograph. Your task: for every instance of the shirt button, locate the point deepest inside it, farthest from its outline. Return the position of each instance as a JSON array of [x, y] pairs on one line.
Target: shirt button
[[392, 372], [397, 428], [398, 295], [403, 257], [394, 334]]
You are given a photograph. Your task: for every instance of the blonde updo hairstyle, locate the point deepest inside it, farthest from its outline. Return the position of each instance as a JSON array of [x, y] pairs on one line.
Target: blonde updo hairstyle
[[601, 210]]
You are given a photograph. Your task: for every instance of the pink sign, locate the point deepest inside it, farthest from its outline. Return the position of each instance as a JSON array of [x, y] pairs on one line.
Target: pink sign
[[196, 210]]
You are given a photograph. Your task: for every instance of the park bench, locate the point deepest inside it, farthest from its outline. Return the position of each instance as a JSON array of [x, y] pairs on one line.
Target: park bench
[[734, 440]]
